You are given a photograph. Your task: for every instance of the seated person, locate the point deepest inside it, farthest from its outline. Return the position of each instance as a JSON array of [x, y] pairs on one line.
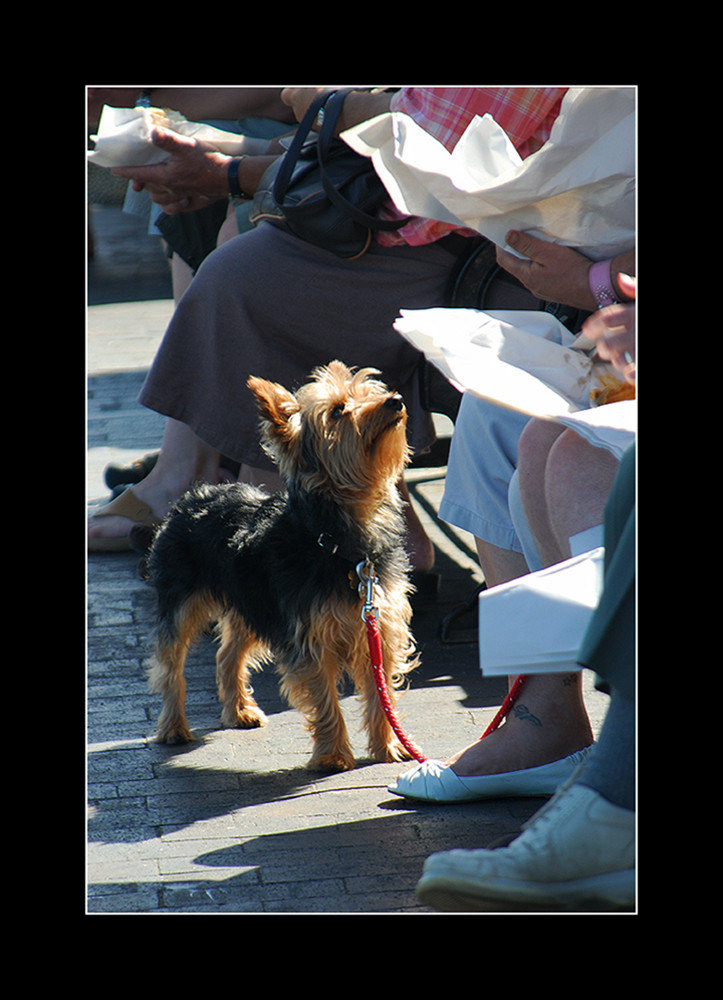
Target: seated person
[[268, 304], [547, 733]]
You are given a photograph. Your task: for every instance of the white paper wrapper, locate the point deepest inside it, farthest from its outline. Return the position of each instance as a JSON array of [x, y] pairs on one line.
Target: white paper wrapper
[[124, 137], [578, 189], [613, 426], [536, 624], [525, 360]]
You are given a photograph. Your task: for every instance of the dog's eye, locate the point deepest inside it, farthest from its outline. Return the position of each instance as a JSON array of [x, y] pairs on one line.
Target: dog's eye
[[337, 412]]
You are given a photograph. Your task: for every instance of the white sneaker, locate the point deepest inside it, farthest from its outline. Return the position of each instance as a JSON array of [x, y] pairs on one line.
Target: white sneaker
[[577, 853]]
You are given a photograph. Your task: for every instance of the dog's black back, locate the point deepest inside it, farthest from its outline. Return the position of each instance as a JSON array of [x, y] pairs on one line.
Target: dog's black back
[[270, 558]]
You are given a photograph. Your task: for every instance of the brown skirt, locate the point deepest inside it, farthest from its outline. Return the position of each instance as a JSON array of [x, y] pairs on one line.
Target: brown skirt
[[270, 305]]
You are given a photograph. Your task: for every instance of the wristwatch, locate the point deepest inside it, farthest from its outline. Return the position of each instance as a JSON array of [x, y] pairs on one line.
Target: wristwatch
[[233, 185], [601, 284]]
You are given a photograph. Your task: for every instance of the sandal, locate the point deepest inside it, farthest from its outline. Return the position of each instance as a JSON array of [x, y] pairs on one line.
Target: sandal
[[127, 475], [126, 505], [447, 634]]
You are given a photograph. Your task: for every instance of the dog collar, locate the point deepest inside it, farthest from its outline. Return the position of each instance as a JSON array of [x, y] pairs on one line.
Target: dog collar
[[328, 543]]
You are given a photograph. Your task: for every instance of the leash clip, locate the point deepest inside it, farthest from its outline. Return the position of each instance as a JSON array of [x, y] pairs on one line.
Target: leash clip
[[367, 583]]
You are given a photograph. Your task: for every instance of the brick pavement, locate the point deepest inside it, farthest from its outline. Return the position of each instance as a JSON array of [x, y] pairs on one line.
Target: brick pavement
[[234, 823]]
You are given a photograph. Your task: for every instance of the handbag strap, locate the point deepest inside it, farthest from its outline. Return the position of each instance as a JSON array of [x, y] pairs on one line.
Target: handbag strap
[[335, 100], [332, 110], [288, 161]]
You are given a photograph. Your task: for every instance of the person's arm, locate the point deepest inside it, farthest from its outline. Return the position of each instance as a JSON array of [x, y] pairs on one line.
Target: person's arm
[[197, 104], [201, 103], [359, 105]]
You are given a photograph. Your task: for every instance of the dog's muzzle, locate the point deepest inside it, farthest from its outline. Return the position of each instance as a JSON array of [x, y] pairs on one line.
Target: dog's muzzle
[[394, 402]]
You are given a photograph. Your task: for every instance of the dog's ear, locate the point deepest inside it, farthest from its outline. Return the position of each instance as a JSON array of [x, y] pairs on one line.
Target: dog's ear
[[276, 405]]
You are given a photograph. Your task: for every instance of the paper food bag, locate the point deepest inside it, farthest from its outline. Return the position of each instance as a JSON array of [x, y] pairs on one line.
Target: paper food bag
[[536, 624], [124, 136]]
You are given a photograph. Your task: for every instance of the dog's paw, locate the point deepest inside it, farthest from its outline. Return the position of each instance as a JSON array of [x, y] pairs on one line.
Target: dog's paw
[[174, 736], [332, 762], [248, 718], [391, 753]]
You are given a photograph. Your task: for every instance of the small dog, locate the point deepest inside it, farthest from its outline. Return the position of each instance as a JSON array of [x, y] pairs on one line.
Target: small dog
[[278, 573]]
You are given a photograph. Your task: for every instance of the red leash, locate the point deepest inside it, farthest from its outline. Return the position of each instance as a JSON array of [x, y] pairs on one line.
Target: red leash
[[375, 651], [369, 615]]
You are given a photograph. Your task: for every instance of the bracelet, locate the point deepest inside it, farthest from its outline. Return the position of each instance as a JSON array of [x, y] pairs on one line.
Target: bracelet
[[601, 284], [233, 185]]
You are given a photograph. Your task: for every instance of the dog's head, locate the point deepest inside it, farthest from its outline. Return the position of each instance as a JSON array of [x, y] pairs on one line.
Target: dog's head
[[343, 432]]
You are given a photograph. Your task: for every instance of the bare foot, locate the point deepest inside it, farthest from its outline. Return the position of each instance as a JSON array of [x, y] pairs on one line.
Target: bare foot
[[546, 723], [157, 503]]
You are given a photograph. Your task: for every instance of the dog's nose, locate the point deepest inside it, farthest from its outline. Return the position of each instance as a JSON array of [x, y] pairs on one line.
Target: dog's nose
[[394, 402]]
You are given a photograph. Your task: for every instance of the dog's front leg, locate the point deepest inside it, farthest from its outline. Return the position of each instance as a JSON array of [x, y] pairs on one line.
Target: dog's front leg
[[397, 659], [311, 688]]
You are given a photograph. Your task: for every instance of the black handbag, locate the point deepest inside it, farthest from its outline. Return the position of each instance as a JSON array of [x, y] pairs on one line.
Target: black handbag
[[321, 190], [481, 283]]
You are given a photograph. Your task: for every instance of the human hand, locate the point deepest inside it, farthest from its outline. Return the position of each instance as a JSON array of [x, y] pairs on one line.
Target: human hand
[[299, 98], [194, 174], [613, 329], [552, 272]]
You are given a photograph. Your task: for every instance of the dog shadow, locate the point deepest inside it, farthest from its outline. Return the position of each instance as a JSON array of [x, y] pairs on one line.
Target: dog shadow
[[329, 868]]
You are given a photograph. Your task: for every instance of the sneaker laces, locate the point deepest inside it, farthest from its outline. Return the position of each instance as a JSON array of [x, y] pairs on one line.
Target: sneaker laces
[[553, 802]]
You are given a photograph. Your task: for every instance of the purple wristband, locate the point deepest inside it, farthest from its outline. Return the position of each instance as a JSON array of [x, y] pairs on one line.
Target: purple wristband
[[601, 284]]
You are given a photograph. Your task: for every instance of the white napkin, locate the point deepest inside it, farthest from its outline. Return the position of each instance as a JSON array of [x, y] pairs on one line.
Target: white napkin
[[124, 136], [536, 624]]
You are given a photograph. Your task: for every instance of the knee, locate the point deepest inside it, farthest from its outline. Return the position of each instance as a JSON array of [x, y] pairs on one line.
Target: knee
[[574, 465], [536, 443]]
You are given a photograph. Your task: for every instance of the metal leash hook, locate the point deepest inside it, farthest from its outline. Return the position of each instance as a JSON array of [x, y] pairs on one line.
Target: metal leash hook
[[367, 583]]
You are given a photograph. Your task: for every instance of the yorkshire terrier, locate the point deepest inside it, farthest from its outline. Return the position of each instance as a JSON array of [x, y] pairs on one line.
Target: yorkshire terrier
[[278, 573]]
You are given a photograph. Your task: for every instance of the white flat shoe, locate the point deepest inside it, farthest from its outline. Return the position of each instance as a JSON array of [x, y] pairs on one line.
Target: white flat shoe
[[434, 781]]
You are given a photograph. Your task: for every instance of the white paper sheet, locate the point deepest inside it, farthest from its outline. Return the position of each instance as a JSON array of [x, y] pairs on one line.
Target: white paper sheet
[[613, 426], [536, 624], [525, 360], [124, 137], [578, 189]]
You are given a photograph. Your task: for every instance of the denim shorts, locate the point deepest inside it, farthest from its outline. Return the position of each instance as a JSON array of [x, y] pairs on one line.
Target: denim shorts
[[481, 493], [482, 460]]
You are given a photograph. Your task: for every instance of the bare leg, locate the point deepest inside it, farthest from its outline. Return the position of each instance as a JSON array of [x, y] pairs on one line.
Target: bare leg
[[499, 565], [548, 721], [536, 442], [578, 480], [183, 460], [419, 547], [181, 276], [265, 479]]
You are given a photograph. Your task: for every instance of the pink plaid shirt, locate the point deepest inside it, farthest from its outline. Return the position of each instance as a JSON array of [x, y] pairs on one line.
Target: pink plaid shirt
[[525, 113]]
